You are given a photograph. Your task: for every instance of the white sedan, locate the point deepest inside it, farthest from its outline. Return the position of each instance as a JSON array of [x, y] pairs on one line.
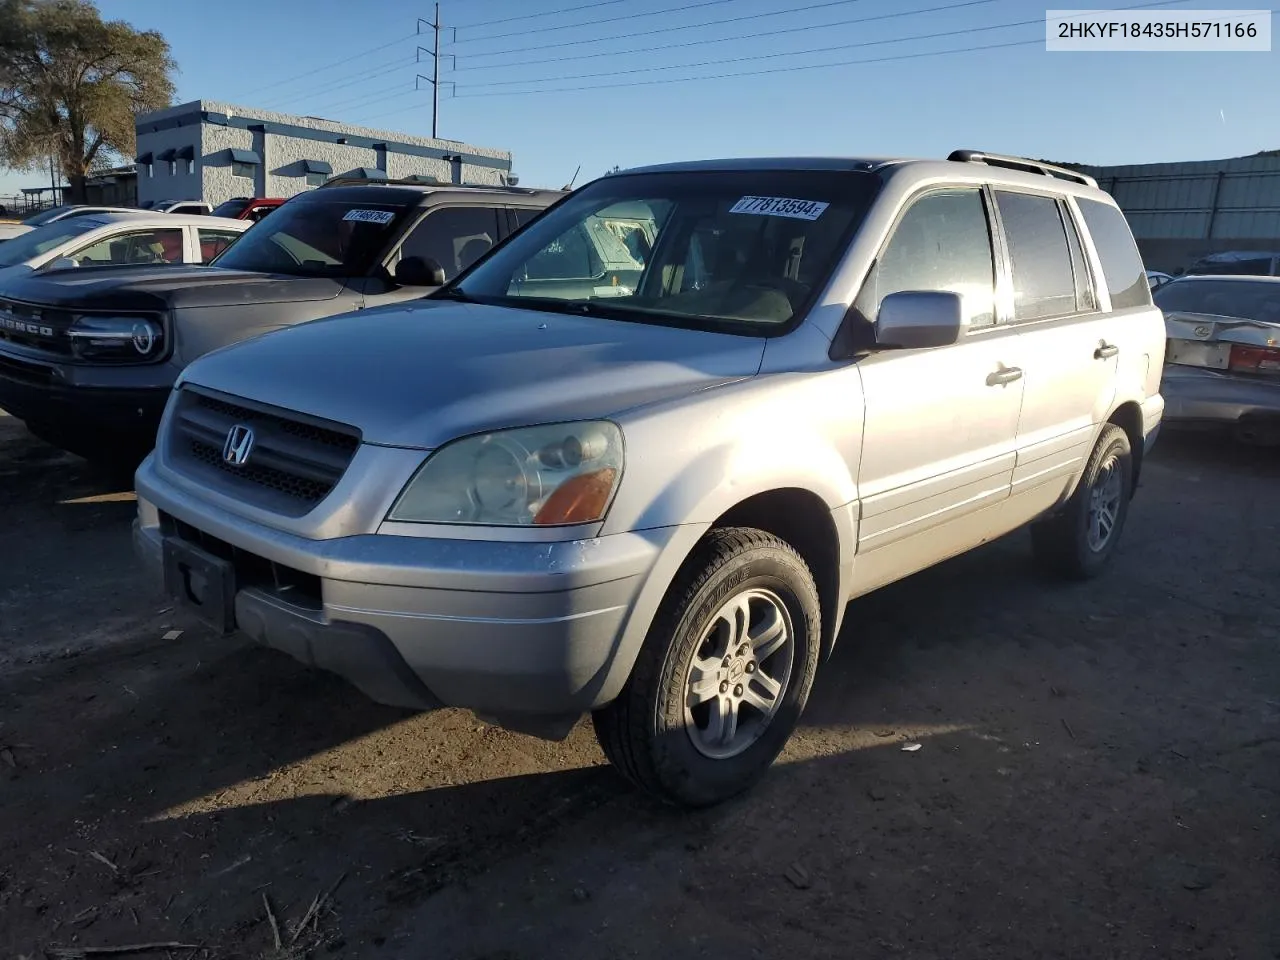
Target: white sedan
[[116, 239]]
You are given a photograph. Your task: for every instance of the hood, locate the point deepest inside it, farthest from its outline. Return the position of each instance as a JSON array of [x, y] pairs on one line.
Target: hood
[[16, 272], [1181, 325], [422, 375], [165, 287], [10, 230]]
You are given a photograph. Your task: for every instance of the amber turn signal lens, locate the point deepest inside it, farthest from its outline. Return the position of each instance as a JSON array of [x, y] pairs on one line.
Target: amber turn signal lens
[[581, 499]]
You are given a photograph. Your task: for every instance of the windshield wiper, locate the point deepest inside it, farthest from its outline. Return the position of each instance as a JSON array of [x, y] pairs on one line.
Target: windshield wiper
[[586, 308]]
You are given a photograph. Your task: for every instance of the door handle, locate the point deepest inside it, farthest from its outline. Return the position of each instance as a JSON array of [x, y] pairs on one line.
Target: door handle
[[1003, 376], [1105, 351]]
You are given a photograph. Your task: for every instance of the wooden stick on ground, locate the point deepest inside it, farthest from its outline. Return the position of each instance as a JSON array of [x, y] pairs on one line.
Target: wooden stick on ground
[[275, 927], [78, 953]]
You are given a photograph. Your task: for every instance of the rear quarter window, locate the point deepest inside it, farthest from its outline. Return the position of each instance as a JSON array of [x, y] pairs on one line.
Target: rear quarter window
[[1121, 263]]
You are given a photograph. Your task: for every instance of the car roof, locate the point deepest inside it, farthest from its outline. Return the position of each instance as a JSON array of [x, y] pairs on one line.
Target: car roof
[[151, 218], [397, 193], [992, 172]]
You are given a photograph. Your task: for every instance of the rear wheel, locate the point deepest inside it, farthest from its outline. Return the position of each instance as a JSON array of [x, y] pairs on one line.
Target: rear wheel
[[1080, 540], [723, 675]]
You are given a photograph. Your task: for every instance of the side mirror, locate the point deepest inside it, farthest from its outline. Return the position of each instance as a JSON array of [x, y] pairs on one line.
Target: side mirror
[[61, 263], [419, 272], [913, 319]]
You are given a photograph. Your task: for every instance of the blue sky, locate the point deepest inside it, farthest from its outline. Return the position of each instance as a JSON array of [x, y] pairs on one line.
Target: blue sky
[[1086, 107]]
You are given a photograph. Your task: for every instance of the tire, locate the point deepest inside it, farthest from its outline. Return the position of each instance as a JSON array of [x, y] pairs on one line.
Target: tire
[[688, 755], [1067, 544]]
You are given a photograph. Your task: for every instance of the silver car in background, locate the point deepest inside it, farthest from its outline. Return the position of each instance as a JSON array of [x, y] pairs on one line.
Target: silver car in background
[[636, 460], [1222, 363]]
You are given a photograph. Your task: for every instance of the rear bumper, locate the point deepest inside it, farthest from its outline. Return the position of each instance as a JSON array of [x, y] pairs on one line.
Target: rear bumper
[[511, 630], [1195, 396], [122, 400]]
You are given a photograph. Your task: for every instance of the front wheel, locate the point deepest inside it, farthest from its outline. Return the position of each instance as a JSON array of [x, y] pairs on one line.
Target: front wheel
[[723, 675], [1078, 541]]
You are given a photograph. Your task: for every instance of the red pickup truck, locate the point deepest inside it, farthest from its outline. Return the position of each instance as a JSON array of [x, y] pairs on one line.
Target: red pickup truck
[[247, 208]]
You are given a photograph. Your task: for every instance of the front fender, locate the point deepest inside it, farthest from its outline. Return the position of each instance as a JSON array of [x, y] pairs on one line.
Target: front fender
[[693, 460], [689, 461]]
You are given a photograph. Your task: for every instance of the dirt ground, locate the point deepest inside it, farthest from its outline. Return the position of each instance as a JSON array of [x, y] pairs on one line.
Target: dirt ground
[[1098, 776]]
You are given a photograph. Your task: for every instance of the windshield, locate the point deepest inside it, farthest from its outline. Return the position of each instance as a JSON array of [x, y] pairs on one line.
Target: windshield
[[46, 216], [231, 208], [740, 251], [1245, 299], [317, 238], [30, 245]]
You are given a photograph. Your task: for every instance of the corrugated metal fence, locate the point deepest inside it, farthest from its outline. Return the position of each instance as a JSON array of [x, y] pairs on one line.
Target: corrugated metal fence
[[1181, 211]]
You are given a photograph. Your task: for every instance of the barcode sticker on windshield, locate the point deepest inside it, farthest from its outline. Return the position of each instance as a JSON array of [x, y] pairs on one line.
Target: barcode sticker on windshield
[[370, 216], [780, 207]]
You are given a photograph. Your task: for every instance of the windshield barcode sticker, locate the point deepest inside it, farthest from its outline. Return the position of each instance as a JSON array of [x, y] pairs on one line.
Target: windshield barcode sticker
[[780, 207], [370, 216]]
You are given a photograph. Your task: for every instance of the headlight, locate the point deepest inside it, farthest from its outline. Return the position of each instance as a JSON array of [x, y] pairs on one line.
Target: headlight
[[119, 339], [549, 475]]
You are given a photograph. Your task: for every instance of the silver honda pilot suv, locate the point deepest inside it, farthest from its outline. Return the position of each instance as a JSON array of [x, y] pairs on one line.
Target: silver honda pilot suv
[[644, 483]]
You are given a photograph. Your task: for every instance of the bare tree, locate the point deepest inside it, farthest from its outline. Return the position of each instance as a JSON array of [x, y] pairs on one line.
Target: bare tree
[[71, 83]]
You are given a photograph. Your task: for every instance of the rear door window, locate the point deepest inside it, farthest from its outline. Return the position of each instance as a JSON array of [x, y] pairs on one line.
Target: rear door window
[[454, 237], [1122, 266], [1044, 283], [213, 242]]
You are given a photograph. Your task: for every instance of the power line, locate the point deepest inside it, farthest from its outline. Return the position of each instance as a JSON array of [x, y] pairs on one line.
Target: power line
[[748, 36], [769, 56], [797, 53], [594, 23], [369, 97], [335, 63], [341, 84], [530, 16], [747, 59], [757, 73], [396, 112], [649, 33]]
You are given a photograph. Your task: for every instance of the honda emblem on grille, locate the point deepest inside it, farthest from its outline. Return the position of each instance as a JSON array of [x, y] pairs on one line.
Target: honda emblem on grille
[[238, 445]]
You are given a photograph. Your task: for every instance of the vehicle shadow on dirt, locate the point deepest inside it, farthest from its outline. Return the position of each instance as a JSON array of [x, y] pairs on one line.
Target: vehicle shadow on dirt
[[172, 783], [204, 770]]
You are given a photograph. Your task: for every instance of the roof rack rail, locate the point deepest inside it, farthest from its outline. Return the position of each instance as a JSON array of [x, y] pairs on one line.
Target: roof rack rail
[[1022, 163], [420, 180]]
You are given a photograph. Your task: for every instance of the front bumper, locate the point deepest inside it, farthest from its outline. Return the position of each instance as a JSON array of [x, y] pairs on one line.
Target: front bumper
[[1194, 395], [122, 400], [510, 630]]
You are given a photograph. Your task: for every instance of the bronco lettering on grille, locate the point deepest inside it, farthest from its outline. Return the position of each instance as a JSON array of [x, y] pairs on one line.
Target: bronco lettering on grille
[[23, 326]]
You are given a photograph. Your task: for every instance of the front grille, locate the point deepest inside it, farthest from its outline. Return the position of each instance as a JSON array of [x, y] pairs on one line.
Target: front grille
[[33, 326], [294, 461]]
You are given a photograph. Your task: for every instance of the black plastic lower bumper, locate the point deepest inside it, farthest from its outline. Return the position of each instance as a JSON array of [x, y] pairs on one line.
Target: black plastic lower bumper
[[36, 394]]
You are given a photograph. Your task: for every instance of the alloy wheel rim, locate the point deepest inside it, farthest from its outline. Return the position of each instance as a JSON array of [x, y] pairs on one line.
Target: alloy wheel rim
[[739, 674], [1104, 504]]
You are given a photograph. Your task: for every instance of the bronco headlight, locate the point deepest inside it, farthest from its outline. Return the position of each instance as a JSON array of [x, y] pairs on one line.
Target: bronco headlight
[[532, 476], [118, 339]]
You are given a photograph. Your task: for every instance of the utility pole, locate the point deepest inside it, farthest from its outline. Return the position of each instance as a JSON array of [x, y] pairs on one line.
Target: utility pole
[[435, 68]]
